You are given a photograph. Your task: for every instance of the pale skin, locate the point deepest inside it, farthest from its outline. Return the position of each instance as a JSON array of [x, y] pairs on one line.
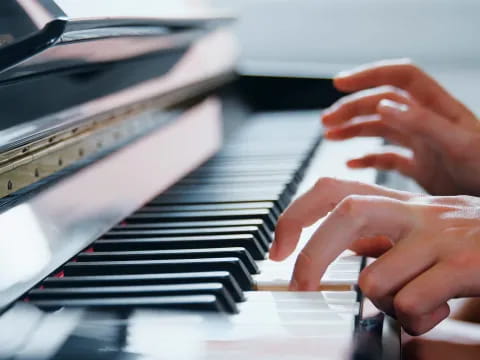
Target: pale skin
[[428, 247]]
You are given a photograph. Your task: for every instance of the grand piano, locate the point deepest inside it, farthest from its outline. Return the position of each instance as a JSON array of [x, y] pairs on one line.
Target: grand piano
[[141, 178]]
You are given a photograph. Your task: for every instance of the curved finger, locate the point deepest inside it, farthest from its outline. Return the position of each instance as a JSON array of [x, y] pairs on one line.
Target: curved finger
[[436, 130], [371, 246], [386, 161], [315, 204], [382, 279], [429, 290], [421, 324], [355, 217], [371, 126], [362, 103], [403, 74]]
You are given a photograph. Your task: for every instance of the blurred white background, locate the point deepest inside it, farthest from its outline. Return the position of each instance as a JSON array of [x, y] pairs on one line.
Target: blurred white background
[[322, 37]]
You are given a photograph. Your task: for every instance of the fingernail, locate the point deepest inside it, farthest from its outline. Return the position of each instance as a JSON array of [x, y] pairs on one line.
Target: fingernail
[[354, 163], [343, 74], [333, 134], [393, 107]]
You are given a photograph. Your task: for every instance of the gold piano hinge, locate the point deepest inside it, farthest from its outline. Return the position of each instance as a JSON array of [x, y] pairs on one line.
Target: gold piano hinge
[[36, 162], [26, 165]]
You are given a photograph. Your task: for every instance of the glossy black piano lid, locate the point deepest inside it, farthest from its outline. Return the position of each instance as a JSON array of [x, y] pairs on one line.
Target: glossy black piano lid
[[54, 63]]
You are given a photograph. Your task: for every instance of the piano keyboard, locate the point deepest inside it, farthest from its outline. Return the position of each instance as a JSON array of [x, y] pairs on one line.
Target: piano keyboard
[[202, 246], [203, 243]]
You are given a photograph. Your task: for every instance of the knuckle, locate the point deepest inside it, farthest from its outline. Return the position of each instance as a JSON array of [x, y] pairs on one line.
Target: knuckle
[[325, 182], [412, 72], [392, 92], [412, 328], [459, 151], [464, 260], [352, 205], [411, 68], [406, 305]]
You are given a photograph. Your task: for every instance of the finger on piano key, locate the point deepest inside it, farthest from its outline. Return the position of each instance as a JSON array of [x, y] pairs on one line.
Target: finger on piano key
[[341, 275], [298, 302]]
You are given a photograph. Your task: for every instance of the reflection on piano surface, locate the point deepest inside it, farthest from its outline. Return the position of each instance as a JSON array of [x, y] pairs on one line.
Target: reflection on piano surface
[[115, 226]]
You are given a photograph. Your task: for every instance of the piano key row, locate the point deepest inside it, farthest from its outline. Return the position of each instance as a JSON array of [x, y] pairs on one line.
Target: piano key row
[[195, 246], [323, 322]]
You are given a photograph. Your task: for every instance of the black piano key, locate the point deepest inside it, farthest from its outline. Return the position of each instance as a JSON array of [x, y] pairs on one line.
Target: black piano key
[[259, 169], [246, 241], [269, 180], [238, 176], [226, 189], [190, 303], [243, 175], [232, 265], [223, 277], [125, 292], [224, 158], [240, 253], [209, 198], [208, 207], [221, 179], [263, 214], [257, 223], [127, 233]]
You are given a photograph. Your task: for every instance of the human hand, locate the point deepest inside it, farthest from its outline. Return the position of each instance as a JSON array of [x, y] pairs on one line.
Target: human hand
[[429, 246], [399, 102]]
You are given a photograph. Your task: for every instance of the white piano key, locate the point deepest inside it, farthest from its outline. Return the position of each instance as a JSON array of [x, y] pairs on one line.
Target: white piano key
[[269, 315], [250, 310], [338, 297], [337, 265], [205, 336], [331, 157], [237, 331], [301, 302], [340, 281], [285, 348], [329, 297]]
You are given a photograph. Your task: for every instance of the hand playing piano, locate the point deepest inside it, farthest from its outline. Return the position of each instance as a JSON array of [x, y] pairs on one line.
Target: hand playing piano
[[399, 102], [429, 246]]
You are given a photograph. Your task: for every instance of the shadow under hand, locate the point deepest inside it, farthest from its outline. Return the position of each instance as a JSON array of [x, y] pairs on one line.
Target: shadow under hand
[[423, 349]]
